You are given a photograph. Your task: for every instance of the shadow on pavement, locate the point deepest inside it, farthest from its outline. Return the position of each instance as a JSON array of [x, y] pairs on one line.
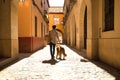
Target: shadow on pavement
[[51, 61], [111, 70], [84, 60], [21, 57]]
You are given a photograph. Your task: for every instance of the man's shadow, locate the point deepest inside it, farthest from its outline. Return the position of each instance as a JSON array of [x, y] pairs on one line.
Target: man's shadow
[[51, 61]]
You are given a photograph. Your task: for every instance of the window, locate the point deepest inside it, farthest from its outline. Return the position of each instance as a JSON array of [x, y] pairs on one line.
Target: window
[[109, 15], [35, 26], [44, 2], [4, 1], [56, 20], [41, 4], [41, 29]]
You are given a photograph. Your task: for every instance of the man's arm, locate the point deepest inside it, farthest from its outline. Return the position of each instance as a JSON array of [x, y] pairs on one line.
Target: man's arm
[[58, 37]]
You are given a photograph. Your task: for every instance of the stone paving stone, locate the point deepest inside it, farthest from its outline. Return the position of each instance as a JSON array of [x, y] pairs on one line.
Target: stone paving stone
[[38, 66]]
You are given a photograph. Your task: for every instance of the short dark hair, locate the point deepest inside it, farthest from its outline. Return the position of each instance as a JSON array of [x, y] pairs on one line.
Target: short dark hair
[[54, 26]]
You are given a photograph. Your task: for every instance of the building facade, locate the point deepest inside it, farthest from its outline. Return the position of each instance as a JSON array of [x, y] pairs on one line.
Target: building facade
[[23, 24], [8, 31], [93, 25], [56, 18], [33, 24]]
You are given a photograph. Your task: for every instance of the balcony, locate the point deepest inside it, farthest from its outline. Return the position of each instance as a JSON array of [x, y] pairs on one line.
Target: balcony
[[46, 16]]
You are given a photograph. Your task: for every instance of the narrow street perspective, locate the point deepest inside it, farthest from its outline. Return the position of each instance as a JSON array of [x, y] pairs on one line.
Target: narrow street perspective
[[33, 32], [38, 66]]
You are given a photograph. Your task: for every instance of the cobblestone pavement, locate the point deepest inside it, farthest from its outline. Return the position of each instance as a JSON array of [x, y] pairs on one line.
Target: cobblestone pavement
[[37, 66]]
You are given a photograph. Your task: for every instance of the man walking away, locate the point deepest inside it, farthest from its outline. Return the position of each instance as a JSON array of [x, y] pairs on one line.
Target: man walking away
[[53, 40]]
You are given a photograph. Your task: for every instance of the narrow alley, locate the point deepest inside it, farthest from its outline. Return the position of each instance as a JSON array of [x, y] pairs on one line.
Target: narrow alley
[[89, 30], [38, 66]]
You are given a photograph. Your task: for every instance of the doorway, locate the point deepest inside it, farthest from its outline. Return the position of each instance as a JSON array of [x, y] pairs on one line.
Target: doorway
[[85, 28]]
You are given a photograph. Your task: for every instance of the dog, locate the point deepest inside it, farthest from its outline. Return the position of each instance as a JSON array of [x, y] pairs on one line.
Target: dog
[[60, 52]]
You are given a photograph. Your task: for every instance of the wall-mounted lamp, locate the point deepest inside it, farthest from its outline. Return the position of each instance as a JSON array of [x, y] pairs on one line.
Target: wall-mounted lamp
[[22, 0]]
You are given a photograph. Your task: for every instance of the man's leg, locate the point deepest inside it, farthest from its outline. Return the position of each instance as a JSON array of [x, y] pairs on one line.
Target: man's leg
[[51, 50]]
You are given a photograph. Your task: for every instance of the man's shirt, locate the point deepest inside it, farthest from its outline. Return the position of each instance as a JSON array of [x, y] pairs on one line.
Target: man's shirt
[[53, 36]]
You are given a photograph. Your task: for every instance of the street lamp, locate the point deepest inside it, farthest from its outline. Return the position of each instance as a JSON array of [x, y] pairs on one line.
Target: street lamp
[[22, 0]]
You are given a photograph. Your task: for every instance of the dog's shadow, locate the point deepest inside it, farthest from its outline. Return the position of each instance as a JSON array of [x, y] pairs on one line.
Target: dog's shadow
[[51, 61]]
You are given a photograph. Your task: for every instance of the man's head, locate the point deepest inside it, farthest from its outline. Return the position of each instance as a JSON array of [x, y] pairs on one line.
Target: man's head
[[54, 26]]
